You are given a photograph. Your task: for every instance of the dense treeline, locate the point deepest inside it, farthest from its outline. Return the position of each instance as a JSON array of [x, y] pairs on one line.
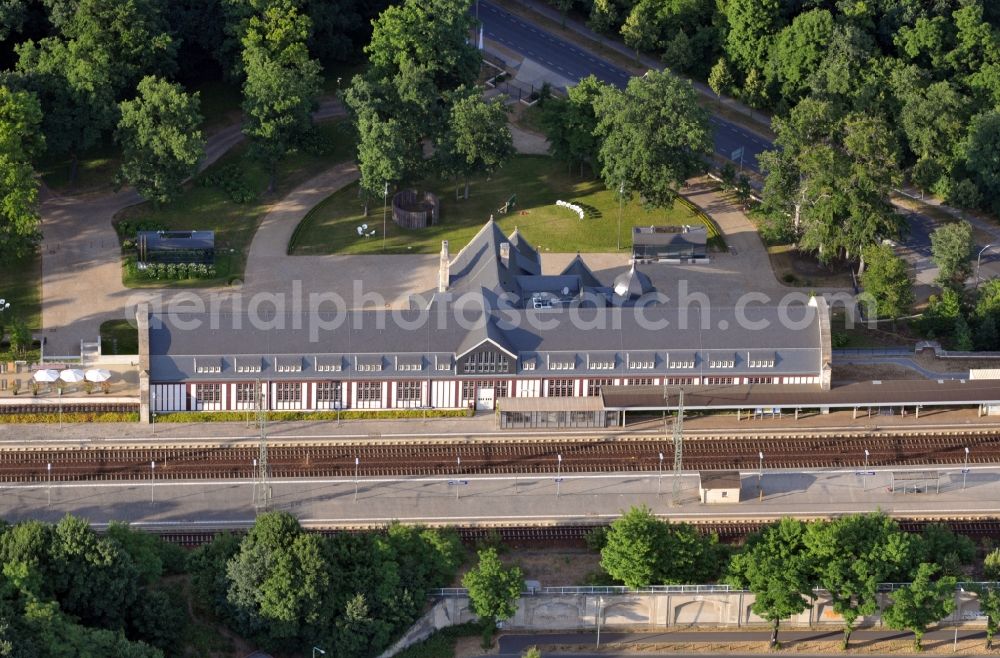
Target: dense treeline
[[784, 563], [862, 91], [349, 593], [77, 74], [66, 591]]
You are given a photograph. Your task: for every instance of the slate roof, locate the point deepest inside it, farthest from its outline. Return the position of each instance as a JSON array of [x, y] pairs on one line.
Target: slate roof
[[632, 284], [479, 269], [579, 268], [635, 342]]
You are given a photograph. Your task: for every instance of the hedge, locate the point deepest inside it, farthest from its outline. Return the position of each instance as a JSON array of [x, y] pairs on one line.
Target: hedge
[[347, 414], [72, 417]]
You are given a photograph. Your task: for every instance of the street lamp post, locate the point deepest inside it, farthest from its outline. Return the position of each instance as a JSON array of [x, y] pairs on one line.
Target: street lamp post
[[385, 196], [153, 413], [357, 462], [49, 469], [659, 479], [458, 484], [152, 481], [621, 199], [558, 475], [979, 260], [760, 475], [600, 614], [965, 471], [864, 477]]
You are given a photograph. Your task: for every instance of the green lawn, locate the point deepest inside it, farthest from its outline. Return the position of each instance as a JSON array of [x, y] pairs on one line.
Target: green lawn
[[211, 208], [119, 337], [538, 182], [96, 169], [21, 287]]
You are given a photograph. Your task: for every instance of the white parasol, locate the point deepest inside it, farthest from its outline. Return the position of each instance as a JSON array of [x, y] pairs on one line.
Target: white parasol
[[47, 376], [97, 375], [71, 376]]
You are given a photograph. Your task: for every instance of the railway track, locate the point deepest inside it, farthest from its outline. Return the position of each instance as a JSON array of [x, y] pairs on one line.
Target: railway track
[[378, 458], [726, 530]]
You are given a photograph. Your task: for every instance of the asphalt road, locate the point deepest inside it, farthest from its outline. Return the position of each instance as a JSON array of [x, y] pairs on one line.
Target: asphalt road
[[569, 61], [514, 645]]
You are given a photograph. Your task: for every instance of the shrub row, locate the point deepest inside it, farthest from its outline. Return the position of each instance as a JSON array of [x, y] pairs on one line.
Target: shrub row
[[127, 229], [347, 414], [72, 417], [233, 181], [177, 271]]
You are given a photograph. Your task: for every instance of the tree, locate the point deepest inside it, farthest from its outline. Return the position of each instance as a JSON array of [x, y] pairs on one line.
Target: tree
[[989, 605], [979, 150], [493, 590], [386, 153], [641, 550], [991, 564], [752, 26], [963, 335], [433, 35], [278, 581], [478, 139], [20, 142], [799, 50], [654, 136], [12, 15], [160, 139], [776, 566], [935, 120], [951, 249], [886, 280], [921, 603], [532, 652], [720, 78], [20, 335], [282, 83], [938, 543], [641, 30], [570, 124], [853, 554]]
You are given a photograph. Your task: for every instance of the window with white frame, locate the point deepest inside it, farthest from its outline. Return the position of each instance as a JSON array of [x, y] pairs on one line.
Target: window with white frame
[[288, 366], [247, 366], [641, 364], [444, 364], [369, 367], [369, 391], [409, 366], [678, 381], [718, 380], [594, 385], [246, 393], [203, 366], [469, 388], [640, 381], [760, 380], [602, 364], [328, 392], [288, 392], [328, 366], [561, 388], [561, 364], [528, 365], [721, 363], [486, 361], [761, 363], [209, 393], [682, 364], [408, 391]]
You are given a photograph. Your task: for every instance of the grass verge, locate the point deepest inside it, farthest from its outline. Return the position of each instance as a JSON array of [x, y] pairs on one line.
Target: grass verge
[[538, 181], [210, 207], [21, 287], [119, 337], [442, 643], [71, 417], [347, 414]]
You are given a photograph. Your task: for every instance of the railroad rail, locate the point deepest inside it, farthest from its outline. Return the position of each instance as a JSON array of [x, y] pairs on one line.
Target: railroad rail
[[494, 457], [728, 531]]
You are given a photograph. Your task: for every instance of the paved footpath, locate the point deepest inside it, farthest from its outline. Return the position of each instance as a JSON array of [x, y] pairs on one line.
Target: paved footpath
[[81, 257], [468, 499]]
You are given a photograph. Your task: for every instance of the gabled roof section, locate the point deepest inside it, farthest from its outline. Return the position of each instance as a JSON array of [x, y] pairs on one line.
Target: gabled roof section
[[485, 331], [479, 265], [579, 268], [525, 248]]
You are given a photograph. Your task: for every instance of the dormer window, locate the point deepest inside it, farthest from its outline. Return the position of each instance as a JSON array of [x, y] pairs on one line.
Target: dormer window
[[287, 365], [485, 362], [207, 366], [641, 365], [602, 365], [721, 364], [681, 365]]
